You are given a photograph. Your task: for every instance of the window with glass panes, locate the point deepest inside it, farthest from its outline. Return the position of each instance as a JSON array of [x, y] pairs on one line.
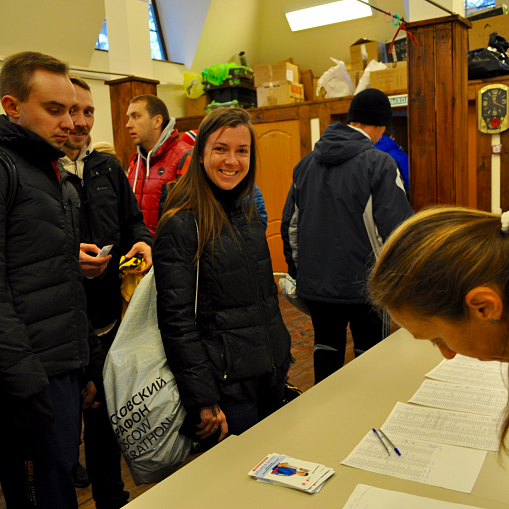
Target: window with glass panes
[[156, 40]]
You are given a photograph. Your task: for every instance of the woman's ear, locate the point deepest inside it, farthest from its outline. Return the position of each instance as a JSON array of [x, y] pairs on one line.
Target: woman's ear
[[485, 303]]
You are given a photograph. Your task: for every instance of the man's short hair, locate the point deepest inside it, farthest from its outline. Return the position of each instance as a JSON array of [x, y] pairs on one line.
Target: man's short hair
[[154, 107], [76, 80], [18, 70]]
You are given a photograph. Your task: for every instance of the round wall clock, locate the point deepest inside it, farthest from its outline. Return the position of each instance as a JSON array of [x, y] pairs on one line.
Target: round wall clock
[[492, 109]]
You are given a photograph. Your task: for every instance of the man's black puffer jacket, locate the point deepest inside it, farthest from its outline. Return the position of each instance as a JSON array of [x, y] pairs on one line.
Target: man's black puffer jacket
[[109, 215], [239, 333], [43, 320]]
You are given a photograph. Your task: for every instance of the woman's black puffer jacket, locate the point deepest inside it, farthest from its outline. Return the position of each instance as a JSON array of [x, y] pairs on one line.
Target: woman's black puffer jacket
[[239, 333]]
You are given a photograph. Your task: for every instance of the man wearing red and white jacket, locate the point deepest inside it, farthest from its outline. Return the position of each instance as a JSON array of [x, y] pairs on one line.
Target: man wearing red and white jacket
[[159, 152]]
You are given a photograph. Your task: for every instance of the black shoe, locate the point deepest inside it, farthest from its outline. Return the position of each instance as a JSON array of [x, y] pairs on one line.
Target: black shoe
[[81, 479]]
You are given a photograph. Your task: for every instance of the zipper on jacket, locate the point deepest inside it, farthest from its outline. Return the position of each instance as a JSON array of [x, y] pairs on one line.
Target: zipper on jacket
[[84, 194], [69, 236], [223, 357], [258, 300]]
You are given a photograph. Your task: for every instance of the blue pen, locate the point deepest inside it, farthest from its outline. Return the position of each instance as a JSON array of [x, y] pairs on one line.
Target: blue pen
[[380, 438], [388, 440]]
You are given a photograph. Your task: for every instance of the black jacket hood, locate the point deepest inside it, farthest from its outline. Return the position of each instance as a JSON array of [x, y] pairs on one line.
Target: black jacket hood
[[339, 143]]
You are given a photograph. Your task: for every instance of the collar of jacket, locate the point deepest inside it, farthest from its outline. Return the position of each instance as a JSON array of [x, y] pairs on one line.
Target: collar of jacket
[[77, 166], [15, 135], [165, 135], [166, 139]]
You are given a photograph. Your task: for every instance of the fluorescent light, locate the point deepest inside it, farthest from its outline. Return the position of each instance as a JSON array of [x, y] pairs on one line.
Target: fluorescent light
[[327, 14]]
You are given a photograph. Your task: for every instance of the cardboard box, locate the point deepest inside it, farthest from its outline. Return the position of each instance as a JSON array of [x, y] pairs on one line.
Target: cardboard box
[[197, 106], [363, 51], [355, 77], [282, 92], [390, 80], [281, 71], [479, 34], [306, 78]]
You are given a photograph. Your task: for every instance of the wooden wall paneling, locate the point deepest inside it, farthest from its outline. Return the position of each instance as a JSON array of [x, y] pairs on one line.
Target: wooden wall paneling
[[459, 80], [445, 180], [483, 171], [305, 130], [437, 109], [421, 118], [119, 98], [472, 154], [279, 151], [275, 113], [121, 92], [184, 124], [504, 172]]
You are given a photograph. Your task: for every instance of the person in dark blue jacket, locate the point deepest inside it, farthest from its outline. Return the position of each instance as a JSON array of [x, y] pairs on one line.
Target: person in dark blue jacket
[[346, 198], [388, 145]]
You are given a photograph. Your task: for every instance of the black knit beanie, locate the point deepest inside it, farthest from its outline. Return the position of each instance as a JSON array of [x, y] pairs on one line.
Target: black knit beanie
[[370, 107]]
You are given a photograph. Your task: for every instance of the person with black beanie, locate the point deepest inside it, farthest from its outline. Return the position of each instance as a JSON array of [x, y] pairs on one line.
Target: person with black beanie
[[345, 200]]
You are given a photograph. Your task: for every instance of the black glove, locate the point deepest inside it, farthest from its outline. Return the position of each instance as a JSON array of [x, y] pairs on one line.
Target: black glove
[[32, 413]]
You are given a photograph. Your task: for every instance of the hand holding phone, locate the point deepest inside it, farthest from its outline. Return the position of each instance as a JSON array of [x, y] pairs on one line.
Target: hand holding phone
[[105, 251]]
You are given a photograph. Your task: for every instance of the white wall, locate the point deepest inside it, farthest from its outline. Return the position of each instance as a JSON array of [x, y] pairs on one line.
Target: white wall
[[67, 30], [48, 24], [312, 48]]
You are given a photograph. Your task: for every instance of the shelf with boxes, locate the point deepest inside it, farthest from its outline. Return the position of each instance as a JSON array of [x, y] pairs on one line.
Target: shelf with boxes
[[237, 86], [278, 84]]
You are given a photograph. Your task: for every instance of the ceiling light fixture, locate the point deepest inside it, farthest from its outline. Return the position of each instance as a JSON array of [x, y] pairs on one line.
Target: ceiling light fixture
[[326, 14]]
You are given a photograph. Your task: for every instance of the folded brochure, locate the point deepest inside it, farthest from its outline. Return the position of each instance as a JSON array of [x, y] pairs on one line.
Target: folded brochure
[[286, 471]]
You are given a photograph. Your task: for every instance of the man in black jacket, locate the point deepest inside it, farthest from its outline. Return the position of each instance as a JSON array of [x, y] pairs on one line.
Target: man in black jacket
[[345, 200], [44, 331], [109, 215]]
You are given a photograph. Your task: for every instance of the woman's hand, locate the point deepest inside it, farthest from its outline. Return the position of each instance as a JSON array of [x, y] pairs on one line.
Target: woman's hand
[[212, 418]]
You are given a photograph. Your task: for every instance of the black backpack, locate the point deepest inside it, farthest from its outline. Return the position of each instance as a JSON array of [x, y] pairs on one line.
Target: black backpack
[[12, 179]]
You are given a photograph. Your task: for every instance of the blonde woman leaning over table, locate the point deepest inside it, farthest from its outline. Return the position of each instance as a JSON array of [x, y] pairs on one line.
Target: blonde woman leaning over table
[[444, 276]]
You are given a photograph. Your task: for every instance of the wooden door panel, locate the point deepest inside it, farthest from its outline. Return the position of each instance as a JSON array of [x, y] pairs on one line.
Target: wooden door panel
[[279, 152]]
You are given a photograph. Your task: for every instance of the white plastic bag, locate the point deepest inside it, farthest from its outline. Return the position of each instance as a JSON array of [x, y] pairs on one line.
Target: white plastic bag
[[141, 394], [365, 79], [336, 81], [289, 290]]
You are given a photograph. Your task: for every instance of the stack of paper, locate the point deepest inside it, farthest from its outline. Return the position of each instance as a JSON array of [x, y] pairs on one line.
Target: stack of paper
[[443, 441], [290, 472]]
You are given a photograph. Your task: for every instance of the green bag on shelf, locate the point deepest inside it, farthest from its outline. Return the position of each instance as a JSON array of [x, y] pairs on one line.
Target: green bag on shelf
[[217, 74]]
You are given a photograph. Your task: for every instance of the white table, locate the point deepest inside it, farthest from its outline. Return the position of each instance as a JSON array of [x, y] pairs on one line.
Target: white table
[[324, 425]]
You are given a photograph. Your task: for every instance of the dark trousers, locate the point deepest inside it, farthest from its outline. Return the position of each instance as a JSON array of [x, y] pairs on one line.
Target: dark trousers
[[241, 416], [36, 468], [102, 452], [330, 322]]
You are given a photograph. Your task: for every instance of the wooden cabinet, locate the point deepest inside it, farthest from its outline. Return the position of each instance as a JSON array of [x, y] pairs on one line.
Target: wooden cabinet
[[121, 92], [279, 151], [437, 91]]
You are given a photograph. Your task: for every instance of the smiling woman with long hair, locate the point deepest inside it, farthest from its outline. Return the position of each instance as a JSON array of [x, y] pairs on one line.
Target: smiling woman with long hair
[[444, 276], [230, 354]]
